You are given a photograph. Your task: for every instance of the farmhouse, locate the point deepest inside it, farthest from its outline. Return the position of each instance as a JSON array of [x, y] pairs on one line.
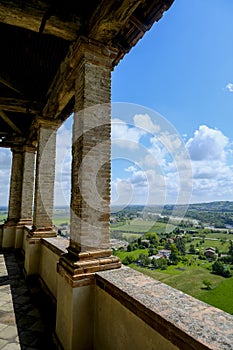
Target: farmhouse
[[210, 252]]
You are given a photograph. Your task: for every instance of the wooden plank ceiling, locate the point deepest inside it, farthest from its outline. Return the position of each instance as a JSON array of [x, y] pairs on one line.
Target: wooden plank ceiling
[[37, 36]]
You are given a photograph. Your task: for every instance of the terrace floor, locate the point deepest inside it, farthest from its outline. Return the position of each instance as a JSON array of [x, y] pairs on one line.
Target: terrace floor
[[26, 316]]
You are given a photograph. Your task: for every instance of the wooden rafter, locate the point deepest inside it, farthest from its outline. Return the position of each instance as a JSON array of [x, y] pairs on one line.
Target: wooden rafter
[[29, 15], [9, 85], [9, 122], [19, 105], [62, 88], [106, 22]]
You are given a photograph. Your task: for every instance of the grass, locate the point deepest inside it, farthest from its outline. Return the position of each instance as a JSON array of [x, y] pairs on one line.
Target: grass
[[61, 220], [223, 247], [135, 254], [190, 281], [143, 226], [220, 235], [3, 217], [220, 296], [131, 236]]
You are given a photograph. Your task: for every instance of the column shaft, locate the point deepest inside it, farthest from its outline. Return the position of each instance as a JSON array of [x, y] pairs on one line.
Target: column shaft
[[14, 207], [89, 250], [27, 186], [44, 183], [90, 199]]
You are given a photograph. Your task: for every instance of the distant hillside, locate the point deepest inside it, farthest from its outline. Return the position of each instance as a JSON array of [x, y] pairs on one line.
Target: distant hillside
[[220, 206]]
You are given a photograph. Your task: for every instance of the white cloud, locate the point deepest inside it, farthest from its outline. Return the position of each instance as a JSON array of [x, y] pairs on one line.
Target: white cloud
[[125, 135], [229, 87], [63, 166], [212, 174], [207, 144], [144, 122], [5, 171]]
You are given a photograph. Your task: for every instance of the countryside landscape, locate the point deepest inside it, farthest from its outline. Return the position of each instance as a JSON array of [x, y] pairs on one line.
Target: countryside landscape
[[193, 253]]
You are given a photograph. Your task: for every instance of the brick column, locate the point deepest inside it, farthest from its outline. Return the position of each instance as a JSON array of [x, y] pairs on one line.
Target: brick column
[[27, 185], [44, 194], [14, 206], [89, 250], [90, 193], [26, 193], [44, 181]]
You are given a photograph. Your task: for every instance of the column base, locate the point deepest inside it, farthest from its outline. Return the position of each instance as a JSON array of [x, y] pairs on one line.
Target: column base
[[19, 232], [32, 255], [79, 268], [8, 234], [44, 232], [33, 248], [76, 295]]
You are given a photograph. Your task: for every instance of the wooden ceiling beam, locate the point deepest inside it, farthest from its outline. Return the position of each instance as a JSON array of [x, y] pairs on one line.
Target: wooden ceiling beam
[[21, 106], [9, 85], [62, 88], [109, 18], [10, 123], [32, 14]]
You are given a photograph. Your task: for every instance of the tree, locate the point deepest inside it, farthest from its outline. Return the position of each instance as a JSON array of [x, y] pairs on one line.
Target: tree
[[192, 249], [220, 269], [174, 256], [230, 251], [180, 244], [128, 260], [207, 284], [153, 238], [144, 259]]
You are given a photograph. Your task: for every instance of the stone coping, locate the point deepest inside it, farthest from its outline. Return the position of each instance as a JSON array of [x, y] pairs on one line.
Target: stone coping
[[57, 244], [187, 322]]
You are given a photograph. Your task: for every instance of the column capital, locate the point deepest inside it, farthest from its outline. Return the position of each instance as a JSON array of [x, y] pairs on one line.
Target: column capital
[[46, 123], [18, 149], [29, 148], [94, 51]]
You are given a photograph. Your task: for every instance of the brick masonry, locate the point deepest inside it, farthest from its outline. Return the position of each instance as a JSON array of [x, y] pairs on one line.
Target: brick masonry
[[45, 174], [90, 200], [27, 184], [14, 210]]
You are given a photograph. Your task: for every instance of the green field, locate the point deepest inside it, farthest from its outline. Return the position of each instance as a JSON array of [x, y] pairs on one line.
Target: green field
[[221, 296], [222, 246], [61, 220], [143, 226], [131, 236], [3, 217], [190, 281], [220, 235], [134, 254]]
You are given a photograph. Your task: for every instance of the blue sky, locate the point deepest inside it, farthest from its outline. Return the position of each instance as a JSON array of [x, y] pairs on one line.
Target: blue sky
[[181, 72]]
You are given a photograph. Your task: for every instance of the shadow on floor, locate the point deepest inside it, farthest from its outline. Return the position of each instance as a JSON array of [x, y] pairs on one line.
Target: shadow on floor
[[32, 315]]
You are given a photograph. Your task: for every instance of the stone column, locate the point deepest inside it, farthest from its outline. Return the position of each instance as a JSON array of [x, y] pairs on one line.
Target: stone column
[[89, 250], [26, 193], [44, 193], [14, 207]]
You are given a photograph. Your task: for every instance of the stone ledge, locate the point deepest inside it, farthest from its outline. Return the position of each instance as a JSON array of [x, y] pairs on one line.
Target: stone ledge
[[185, 321], [58, 245]]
